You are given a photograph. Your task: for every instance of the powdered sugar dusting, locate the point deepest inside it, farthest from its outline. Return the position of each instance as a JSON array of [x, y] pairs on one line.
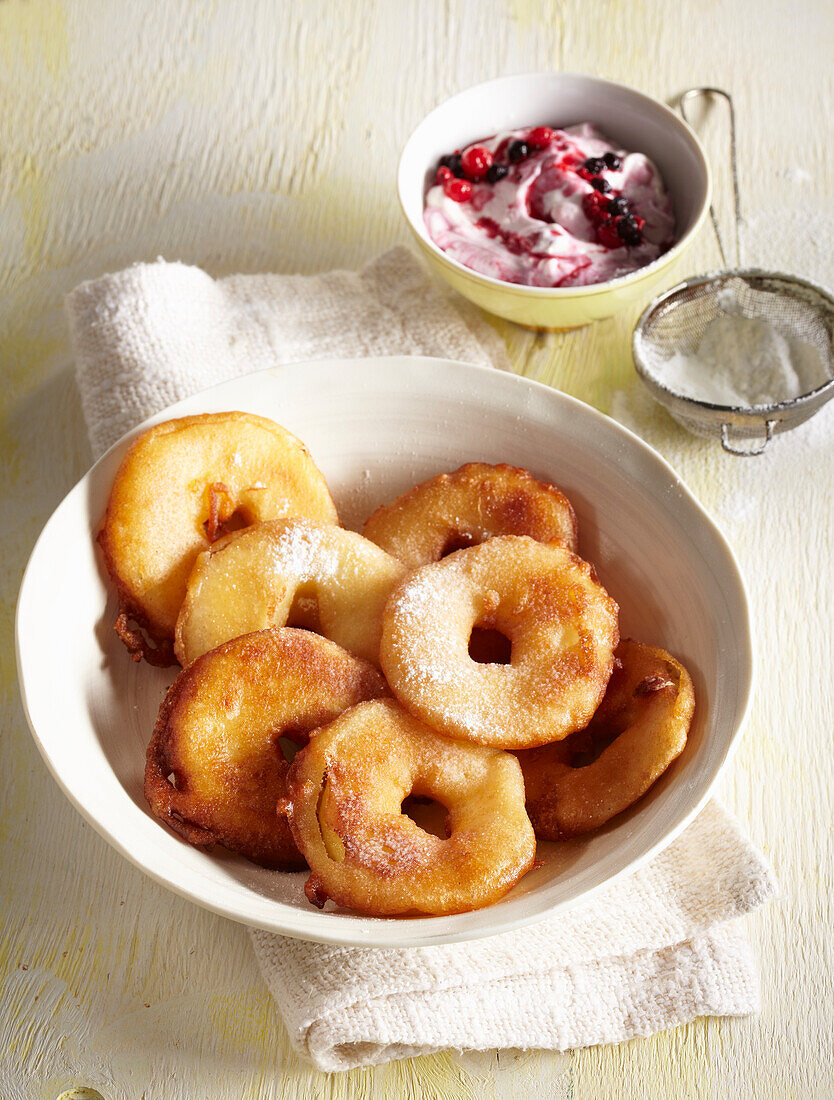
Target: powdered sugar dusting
[[305, 552], [425, 608]]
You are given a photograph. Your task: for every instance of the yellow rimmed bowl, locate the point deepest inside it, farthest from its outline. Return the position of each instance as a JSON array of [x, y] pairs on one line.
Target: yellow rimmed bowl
[[634, 120]]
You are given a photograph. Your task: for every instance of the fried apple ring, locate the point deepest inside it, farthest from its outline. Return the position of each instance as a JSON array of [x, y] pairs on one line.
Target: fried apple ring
[[346, 790], [640, 728], [469, 506], [184, 483], [256, 578], [561, 623], [217, 737]]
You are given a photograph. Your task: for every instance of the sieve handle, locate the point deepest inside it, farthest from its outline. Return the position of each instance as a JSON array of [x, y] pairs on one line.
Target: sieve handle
[[746, 452], [697, 93]]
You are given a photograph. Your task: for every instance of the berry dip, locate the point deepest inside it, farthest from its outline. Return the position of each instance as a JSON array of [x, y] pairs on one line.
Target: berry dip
[[553, 208]]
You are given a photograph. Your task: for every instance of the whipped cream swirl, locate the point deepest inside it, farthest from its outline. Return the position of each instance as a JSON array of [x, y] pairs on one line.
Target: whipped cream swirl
[[538, 227]]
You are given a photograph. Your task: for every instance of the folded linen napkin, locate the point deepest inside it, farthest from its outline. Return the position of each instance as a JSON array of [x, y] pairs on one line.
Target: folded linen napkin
[[657, 948], [156, 333]]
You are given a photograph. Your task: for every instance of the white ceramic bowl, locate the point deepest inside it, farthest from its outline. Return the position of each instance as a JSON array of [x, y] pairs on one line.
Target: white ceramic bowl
[[375, 427], [640, 123]]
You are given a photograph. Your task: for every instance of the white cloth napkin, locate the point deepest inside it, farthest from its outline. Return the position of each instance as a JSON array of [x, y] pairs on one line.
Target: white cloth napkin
[[156, 333], [656, 949]]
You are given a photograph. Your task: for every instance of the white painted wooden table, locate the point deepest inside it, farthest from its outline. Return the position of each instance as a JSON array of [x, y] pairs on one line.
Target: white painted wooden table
[[264, 136]]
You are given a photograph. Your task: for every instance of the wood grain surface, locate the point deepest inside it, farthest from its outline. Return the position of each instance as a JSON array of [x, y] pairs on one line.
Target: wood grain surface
[[255, 136]]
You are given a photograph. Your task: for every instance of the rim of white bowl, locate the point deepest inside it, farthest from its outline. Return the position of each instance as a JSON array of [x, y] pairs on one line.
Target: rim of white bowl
[[520, 289], [405, 932]]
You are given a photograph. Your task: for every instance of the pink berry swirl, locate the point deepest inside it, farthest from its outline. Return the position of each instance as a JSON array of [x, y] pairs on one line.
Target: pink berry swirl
[[546, 207]]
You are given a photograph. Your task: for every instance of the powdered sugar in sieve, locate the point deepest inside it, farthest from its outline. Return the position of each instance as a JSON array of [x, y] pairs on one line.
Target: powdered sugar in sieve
[[742, 354]]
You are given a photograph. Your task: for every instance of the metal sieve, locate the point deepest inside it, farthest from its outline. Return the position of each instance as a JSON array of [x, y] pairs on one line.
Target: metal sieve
[[676, 322]]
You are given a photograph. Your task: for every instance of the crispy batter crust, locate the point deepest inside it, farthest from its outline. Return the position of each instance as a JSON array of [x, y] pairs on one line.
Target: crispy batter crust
[[466, 507], [217, 737], [347, 788], [183, 482], [141, 646], [561, 622], [641, 726]]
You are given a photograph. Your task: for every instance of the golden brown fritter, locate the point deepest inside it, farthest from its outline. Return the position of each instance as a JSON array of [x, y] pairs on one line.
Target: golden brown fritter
[[346, 791], [181, 485], [468, 506], [215, 769], [641, 726], [561, 623]]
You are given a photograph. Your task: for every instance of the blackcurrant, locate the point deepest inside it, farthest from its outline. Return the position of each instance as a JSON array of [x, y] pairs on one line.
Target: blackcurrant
[[496, 172], [629, 229], [452, 161], [518, 150]]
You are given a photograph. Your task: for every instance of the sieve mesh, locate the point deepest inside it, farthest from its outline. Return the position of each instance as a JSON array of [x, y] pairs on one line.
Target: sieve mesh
[[676, 323], [678, 320]]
